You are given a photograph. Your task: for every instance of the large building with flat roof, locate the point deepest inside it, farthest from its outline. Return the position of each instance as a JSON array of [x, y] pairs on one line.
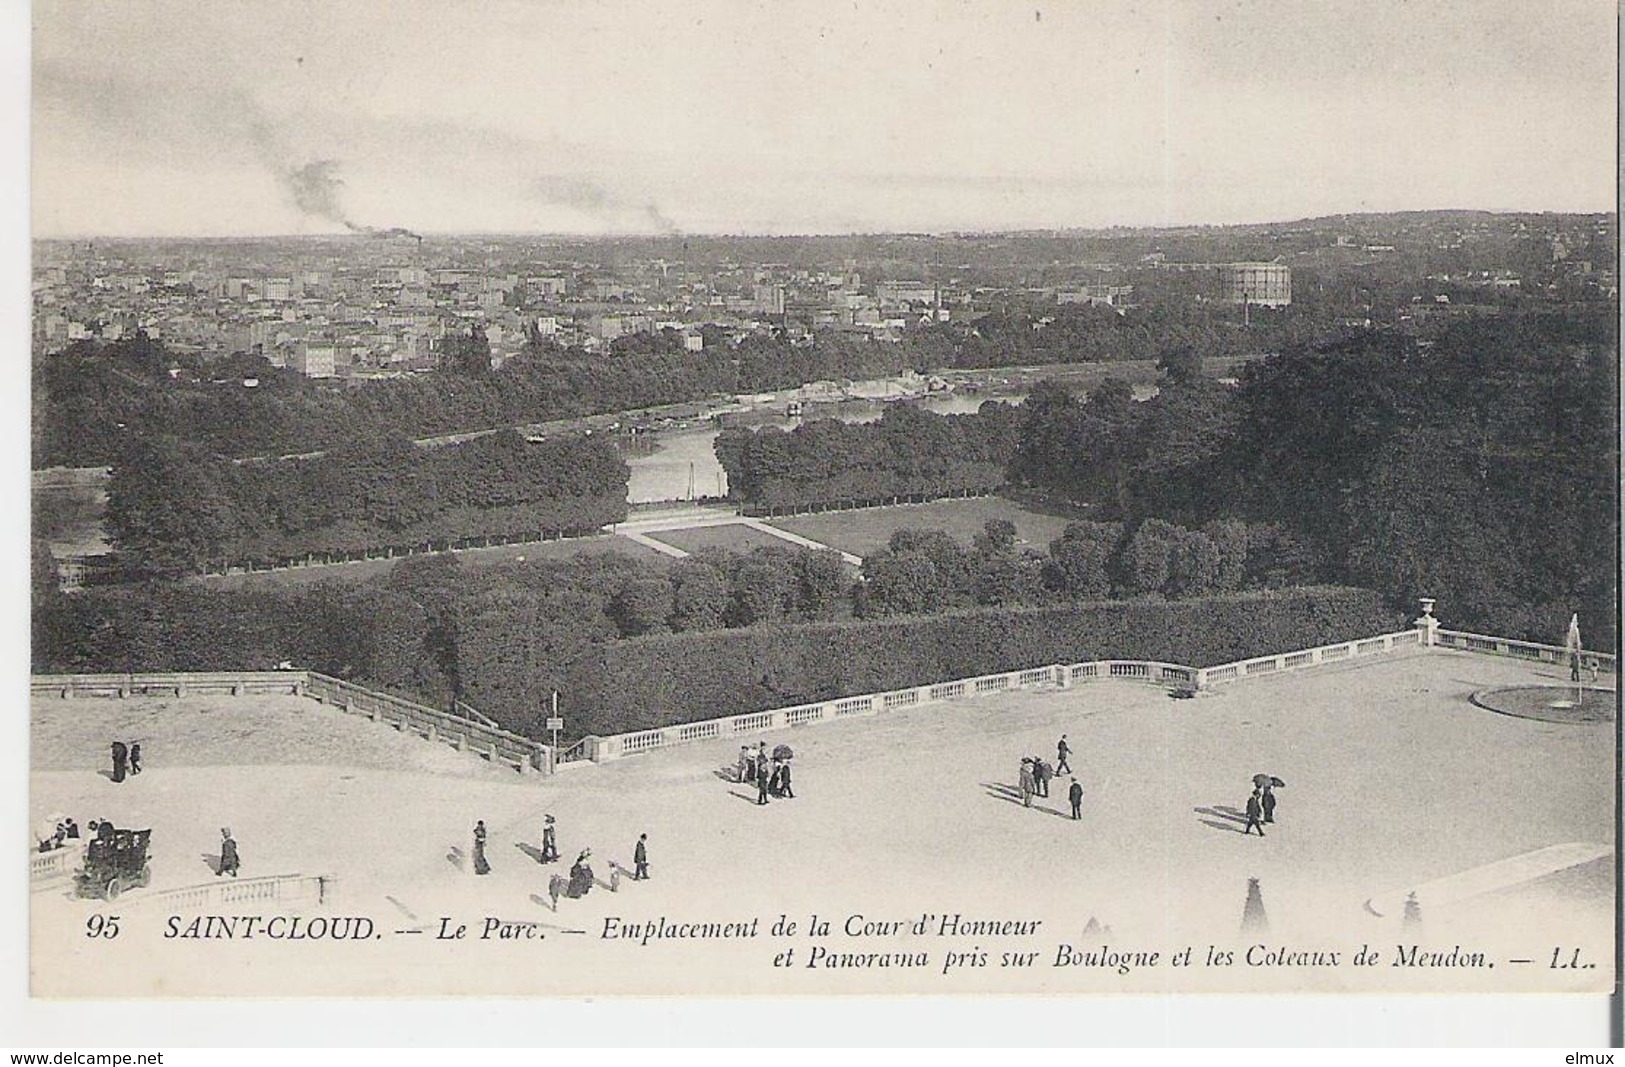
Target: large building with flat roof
[[1259, 284]]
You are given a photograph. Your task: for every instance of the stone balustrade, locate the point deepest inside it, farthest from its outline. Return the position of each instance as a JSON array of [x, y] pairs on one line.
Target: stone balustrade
[[493, 743]]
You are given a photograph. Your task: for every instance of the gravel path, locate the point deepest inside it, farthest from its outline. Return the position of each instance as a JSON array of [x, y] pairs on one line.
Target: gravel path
[[1393, 780]]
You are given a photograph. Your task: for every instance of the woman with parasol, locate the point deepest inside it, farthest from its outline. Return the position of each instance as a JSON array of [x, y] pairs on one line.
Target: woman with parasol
[[782, 755], [779, 784], [581, 877], [1267, 784]]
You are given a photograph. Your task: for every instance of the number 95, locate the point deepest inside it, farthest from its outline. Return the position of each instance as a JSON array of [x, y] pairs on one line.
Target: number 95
[[102, 926]]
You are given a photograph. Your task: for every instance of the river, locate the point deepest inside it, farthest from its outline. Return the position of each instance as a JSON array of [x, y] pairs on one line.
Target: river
[[684, 464]]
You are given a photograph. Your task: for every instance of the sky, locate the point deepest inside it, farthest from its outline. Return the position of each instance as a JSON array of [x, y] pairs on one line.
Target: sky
[[286, 117]]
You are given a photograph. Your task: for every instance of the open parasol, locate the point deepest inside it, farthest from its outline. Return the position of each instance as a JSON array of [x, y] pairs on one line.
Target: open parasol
[[782, 752]]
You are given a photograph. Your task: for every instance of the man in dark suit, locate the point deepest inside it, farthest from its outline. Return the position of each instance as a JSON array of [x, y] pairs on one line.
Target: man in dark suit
[[1255, 809], [762, 777], [640, 859], [1062, 751], [1075, 795]]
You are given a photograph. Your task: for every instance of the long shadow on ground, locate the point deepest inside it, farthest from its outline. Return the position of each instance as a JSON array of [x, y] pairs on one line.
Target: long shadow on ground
[[1012, 795], [1234, 820]]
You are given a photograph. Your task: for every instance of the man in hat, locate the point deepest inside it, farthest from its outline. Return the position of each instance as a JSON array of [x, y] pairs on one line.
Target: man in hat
[[640, 859], [1062, 751], [1267, 800], [1029, 784], [744, 769], [1075, 795], [229, 860], [550, 848], [1255, 809], [763, 776]]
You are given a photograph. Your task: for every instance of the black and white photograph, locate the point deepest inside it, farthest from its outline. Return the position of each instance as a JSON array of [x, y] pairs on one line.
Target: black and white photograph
[[827, 499]]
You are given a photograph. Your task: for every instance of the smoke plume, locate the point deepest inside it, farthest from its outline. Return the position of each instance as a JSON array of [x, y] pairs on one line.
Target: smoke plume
[[592, 198], [316, 189]]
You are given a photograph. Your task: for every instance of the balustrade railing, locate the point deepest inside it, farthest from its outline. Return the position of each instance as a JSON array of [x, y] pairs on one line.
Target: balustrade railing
[[279, 890], [468, 734], [1173, 675], [1525, 650], [495, 744], [501, 746], [59, 862], [234, 683], [1207, 677]]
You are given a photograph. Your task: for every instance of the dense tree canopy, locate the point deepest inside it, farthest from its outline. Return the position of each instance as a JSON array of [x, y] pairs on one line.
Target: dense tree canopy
[[174, 508], [1480, 468]]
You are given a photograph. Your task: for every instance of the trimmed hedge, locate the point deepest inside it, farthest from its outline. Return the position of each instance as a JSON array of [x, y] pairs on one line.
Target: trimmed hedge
[[659, 681]]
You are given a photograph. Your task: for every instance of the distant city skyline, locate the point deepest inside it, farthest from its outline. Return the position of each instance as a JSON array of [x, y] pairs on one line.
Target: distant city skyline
[[184, 119]]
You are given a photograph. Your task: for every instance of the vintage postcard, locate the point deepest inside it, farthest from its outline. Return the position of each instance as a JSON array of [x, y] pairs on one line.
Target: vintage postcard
[[718, 499]]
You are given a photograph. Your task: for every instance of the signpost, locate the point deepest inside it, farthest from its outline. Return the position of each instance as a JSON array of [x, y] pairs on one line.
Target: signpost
[[554, 722]]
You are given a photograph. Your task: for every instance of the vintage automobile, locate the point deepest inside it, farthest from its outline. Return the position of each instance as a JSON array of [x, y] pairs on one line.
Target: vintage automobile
[[115, 860]]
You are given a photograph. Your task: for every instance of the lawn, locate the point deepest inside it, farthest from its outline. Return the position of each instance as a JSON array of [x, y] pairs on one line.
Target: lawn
[[362, 570], [734, 537], [862, 531]]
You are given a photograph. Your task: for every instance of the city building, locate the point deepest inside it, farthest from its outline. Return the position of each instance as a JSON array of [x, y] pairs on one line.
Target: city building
[[1097, 295], [1258, 284], [314, 359]]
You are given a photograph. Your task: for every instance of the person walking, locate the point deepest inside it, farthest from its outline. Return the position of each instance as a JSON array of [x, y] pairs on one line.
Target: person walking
[[1029, 786], [1062, 751], [581, 876], [550, 845], [135, 757], [1044, 772], [640, 859], [1267, 801], [784, 782], [1255, 808], [229, 859], [480, 864], [1075, 795]]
